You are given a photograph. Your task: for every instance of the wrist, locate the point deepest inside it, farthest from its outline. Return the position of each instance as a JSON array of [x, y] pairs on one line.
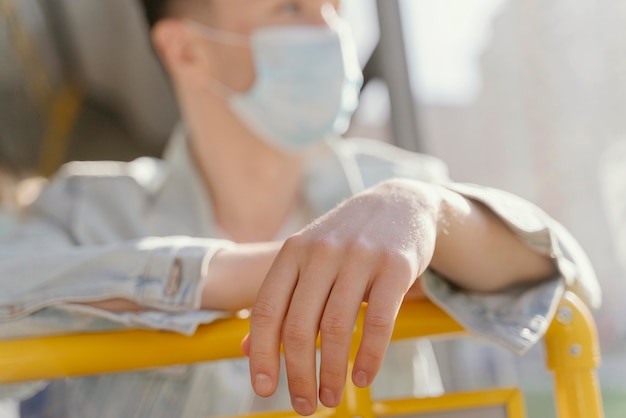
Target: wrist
[[235, 274]]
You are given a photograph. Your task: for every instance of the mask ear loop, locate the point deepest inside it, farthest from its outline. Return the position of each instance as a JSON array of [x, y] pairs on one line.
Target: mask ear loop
[[339, 25], [351, 169], [348, 162], [218, 35], [330, 15], [224, 37]]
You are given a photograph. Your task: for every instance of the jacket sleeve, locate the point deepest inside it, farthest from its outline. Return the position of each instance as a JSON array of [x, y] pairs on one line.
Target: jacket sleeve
[[518, 317], [46, 273]]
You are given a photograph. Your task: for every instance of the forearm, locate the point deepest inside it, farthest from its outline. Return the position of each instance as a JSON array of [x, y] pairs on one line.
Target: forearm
[[474, 249], [233, 279], [477, 251], [235, 275]]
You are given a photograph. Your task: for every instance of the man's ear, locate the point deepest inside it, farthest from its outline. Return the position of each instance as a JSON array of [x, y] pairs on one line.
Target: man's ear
[[180, 49]]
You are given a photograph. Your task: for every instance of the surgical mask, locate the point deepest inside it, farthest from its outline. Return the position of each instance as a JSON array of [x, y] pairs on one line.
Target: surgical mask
[[307, 83]]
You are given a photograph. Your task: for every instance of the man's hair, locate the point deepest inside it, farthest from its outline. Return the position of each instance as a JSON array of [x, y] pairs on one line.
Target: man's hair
[[155, 10]]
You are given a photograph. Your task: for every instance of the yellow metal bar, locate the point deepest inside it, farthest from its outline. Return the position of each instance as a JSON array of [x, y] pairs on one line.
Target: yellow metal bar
[[119, 351], [510, 399], [573, 354], [320, 413], [515, 405], [424, 319]]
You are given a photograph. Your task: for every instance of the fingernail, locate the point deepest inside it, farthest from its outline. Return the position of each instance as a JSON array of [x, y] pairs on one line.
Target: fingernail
[[328, 398], [302, 406], [360, 379], [262, 384]]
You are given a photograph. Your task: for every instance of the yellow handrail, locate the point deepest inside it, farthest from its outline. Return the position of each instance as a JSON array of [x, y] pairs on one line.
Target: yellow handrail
[[125, 350], [572, 353]]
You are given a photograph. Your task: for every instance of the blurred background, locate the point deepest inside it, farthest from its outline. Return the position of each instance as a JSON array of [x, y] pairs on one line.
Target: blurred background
[[524, 95]]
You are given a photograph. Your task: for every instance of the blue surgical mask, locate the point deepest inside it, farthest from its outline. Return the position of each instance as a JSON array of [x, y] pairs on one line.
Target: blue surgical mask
[[307, 84]]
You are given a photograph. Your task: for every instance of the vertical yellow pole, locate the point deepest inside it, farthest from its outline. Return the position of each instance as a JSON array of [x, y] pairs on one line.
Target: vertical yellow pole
[[573, 354], [577, 395], [357, 402], [515, 407]]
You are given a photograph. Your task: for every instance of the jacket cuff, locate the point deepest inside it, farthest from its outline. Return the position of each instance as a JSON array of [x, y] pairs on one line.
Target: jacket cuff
[[174, 275], [519, 316], [515, 319], [543, 234]]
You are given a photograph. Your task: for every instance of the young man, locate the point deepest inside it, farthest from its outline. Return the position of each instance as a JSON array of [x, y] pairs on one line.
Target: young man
[[259, 203]]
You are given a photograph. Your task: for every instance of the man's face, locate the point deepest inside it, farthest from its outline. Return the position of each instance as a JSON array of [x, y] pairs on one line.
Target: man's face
[[243, 16], [233, 65]]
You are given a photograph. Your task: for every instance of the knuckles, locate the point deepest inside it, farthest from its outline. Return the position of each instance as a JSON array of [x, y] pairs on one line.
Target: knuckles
[[298, 384], [333, 378], [369, 360], [335, 326], [354, 245], [313, 247], [400, 262], [296, 337], [263, 314], [378, 324]]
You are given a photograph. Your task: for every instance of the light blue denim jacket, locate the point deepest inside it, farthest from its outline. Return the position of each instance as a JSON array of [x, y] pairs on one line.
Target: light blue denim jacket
[[103, 230]]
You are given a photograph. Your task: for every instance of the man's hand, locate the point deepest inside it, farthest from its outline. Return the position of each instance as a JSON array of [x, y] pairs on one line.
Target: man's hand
[[371, 248]]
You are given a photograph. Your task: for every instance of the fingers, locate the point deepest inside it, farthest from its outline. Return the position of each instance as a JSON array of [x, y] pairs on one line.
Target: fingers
[[266, 323], [299, 334], [318, 286], [294, 320], [336, 332], [320, 290], [384, 303]]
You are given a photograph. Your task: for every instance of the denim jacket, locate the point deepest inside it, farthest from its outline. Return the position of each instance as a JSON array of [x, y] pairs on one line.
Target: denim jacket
[[103, 230]]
